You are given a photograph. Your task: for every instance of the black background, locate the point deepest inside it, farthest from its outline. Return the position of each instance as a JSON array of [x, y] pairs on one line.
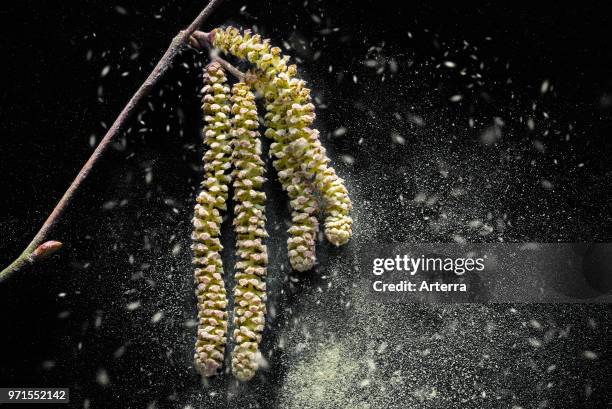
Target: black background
[[126, 233]]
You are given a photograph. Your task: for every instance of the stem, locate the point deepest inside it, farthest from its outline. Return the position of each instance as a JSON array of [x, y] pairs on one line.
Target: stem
[[239, 75], [201, 40], [177, 44]]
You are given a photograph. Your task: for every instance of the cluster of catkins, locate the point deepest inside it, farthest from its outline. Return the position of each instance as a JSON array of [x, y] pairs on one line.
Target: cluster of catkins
[[233, 156]]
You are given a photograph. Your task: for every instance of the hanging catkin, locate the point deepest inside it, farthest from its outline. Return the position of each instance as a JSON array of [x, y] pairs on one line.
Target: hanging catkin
[[290, 102], [305, 226], [249, 225], [211, 202]]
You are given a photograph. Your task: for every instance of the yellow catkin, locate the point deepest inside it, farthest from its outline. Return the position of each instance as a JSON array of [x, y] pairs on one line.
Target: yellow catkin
[[290, 114], [210, 203], [250, 228], [304, 224]]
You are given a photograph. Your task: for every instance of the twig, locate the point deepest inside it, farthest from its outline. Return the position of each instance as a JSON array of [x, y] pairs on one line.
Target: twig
[[240, 76], [39, 247], [201, 40]]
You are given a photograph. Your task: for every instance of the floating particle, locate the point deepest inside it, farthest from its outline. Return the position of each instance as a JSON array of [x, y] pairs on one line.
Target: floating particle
[[534, 342], [590, 355], [340, 131], [420, 198], [119, 352], [397, 138], [133, 306], [102, 377], [456, 98], [417, 120], [539, 146], [535, 324], [348, 159], [121, 10], [48, 365], [157, 317], [544, 87], [449, 64], [393, 67], [110, 205], [105, 71], [262, 362], [546, 184]]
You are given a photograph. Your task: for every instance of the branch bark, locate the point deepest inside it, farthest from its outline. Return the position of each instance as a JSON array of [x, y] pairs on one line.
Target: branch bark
[[40, 247]]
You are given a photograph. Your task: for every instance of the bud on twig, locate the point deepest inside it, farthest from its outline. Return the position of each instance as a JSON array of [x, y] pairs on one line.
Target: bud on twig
[[45, 250]]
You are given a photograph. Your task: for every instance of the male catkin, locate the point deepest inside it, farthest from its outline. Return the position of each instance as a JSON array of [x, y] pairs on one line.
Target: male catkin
[[250, 228], [210, 203]]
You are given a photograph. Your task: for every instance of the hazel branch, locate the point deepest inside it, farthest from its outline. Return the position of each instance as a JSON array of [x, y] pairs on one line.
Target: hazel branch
[[39, 246]]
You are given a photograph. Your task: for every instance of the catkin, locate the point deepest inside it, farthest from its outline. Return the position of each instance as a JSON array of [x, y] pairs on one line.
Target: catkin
[[211, 201], [304, 224], [289, 117], [250, 229]]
